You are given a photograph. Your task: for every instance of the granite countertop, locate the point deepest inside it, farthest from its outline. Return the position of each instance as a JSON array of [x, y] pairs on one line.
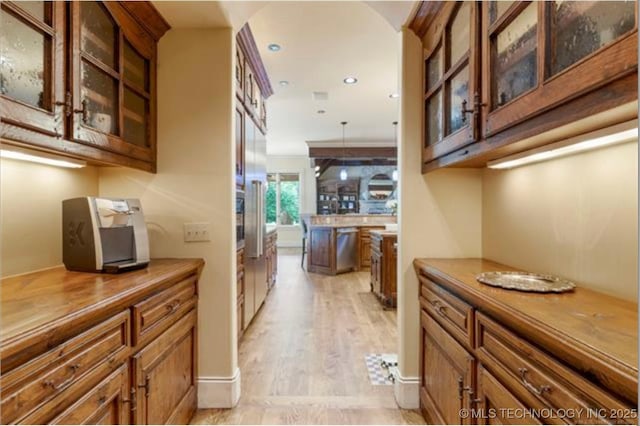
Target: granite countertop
[[271, 228], [346, 225], [384, 232]]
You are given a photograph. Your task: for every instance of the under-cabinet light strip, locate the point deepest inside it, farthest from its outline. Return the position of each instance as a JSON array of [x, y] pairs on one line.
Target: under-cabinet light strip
[[41, 159], [617, 134]]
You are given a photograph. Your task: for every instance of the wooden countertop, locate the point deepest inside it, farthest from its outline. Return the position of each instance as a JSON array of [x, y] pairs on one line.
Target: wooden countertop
[[601, 326], [33, 304]]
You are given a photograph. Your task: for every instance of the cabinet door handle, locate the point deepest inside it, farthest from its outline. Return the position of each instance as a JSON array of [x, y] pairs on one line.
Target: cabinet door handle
[[51, 384], [145, 386], [132, 401], [171, 307], [476, 107], [84, 111], [439, 308], [537, 391]]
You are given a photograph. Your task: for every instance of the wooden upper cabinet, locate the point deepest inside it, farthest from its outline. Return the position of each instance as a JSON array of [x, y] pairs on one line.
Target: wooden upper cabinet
[[497, 73], [541, 54], [79, 78], [32, 64], [451, 79], [240, 67], [111, 74]]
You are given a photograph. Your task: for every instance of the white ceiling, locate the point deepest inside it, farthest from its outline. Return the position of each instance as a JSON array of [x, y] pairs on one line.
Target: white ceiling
[[322, 43]]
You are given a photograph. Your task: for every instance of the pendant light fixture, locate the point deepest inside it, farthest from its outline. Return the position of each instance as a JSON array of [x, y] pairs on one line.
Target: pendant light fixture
[[394, 175], [343, 173]]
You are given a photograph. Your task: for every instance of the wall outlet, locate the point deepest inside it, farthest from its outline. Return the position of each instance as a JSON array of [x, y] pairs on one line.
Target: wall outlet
[[196, 232]]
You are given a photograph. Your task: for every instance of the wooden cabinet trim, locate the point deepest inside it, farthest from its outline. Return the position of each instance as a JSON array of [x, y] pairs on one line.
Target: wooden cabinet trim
[[145, 13]]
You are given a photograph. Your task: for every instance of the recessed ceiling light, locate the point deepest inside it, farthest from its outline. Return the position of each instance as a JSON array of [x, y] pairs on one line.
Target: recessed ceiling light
[[394, 95], [274, 47], [283, 83], [321, 111], [350, 80]]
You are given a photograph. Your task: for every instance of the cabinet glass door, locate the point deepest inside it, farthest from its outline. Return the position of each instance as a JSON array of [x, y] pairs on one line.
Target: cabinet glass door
[[450, 82], [543, 55], [31, 89], [136, 97], [112, 88], [578, 28], [514, 57]]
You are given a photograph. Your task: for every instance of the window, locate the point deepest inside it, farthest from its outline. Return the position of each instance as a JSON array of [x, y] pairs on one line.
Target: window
[[283, 198]]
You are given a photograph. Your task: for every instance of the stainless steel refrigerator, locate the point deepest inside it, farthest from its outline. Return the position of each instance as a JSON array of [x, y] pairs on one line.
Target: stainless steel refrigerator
[[255, 219]]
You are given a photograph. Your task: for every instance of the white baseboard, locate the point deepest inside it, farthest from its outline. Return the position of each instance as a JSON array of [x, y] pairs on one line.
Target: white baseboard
[[219, 392], [407, 392]]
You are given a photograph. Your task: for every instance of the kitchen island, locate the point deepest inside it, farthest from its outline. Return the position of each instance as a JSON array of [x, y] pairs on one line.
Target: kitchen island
[[384, 260], [342, 243]]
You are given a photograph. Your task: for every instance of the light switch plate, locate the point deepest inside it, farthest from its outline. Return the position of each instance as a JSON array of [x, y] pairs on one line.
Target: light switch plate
[[194, 232]]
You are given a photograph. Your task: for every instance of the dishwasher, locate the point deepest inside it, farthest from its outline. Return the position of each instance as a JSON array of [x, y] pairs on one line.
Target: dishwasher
[[347, 249]]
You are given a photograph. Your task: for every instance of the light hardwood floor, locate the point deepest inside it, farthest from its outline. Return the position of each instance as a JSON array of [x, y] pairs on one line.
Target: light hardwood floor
[[302, 358]]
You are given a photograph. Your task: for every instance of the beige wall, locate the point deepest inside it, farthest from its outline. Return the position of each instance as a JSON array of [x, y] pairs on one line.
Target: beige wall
[[440, 213], [291, 236], [31, 211], [195, 180], [575, 217]]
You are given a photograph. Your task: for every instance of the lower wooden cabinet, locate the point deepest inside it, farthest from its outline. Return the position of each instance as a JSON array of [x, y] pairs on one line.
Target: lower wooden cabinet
[[165, 376], [494, 403], [364, 244], [271, 258], [384, 267], [474, 369], [136, 366], [446, 382], [240, 292], [107, 403]]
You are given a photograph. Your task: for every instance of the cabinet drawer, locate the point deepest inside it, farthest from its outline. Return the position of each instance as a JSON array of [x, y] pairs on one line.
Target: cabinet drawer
[[542, 381], [107, 403], [453, 313], [157, 313], [33, 384]]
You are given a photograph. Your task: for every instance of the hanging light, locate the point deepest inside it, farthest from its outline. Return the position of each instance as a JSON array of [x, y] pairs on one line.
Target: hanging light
[[343, 173], [394, 175]]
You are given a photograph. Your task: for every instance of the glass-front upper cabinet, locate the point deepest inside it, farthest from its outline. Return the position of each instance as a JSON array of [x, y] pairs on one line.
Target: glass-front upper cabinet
[[112, 81], [31, 64], [540, 54], [451, 79]]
